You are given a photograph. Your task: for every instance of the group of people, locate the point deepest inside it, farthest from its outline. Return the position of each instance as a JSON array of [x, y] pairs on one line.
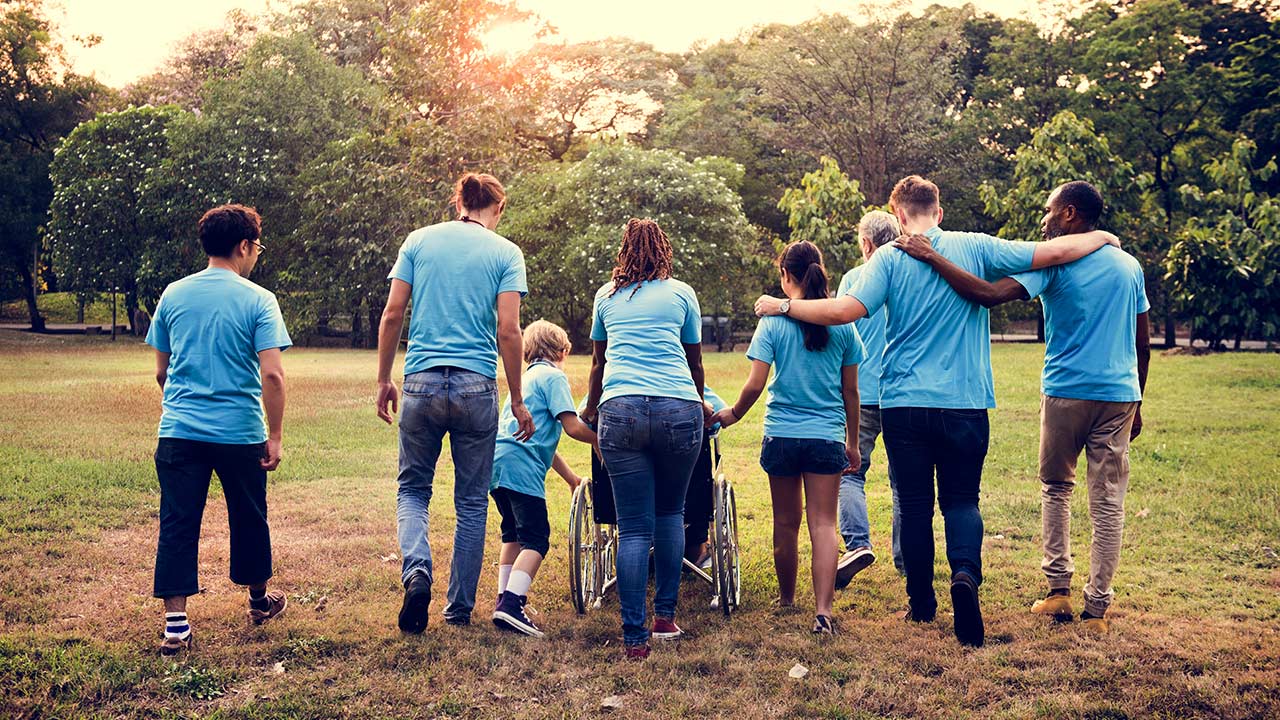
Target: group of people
[[902, 350]]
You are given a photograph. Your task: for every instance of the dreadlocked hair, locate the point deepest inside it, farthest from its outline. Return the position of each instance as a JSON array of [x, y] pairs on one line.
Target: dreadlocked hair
[[803, 262], [645, 255]]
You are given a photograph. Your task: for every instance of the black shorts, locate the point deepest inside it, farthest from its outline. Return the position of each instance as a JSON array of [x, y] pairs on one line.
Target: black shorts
[[524, 519]]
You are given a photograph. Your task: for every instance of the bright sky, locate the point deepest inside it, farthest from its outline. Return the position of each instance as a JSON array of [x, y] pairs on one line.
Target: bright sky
[[137, 35]]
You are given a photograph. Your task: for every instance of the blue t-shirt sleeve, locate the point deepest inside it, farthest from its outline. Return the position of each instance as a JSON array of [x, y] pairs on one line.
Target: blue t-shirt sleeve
[[854, 350], [158, 335], [691, 330], [598, 333], [846, 283], [558, 395], [761, 347], [513, 276], [717, 403], [269, 331], [1143, 303], [872, 286], [1002, 258], [1035, 281], [403, 269]]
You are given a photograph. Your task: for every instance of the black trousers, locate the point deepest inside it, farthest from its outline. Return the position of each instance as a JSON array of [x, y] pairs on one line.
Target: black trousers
[[184, 468]]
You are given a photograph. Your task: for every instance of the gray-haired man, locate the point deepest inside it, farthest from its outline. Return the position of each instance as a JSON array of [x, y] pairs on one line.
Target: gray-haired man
[[877, 228]]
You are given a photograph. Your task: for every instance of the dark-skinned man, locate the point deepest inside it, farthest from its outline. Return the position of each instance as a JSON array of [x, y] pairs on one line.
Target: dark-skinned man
[[936, 384], [1095, 371]]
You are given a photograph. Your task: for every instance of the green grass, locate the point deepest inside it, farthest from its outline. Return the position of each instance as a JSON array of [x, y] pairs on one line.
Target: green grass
[[1196, 613], [61, 308]]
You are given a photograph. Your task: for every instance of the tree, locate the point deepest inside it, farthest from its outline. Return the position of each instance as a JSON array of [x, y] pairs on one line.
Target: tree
[[825, 210], [568, 219], [40, 102], [216, 54], [1224, 267]]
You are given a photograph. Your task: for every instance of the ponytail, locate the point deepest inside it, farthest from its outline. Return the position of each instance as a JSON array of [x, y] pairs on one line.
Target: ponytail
[[803, 262], [477, 191]]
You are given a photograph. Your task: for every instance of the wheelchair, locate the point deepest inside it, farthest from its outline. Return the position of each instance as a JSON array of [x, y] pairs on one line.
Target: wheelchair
[[593, 533]]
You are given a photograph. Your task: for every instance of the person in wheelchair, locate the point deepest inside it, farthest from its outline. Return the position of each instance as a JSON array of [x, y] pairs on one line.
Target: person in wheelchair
[[520, 470]]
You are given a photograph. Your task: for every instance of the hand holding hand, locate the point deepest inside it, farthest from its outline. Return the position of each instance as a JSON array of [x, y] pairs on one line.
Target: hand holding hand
[[388, 394], [917, 246], [724, 418], [766, 305]]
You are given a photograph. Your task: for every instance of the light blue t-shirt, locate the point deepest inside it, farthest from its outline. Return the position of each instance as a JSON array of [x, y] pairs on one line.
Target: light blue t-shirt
[[523, 466], [871, 330], [647, 333], [937, 344], [213, 324], [804, 396], [457, 270], [1091, 309]]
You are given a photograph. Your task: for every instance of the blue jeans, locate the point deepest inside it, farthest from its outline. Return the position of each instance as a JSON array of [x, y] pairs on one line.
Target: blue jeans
[[954, 443], [650, 445], [463, 404], [854, 525]]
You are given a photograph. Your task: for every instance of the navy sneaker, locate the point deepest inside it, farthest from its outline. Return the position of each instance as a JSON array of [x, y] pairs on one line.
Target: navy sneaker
[[852, 563], [417, 603], [968, 615], [510, 615]]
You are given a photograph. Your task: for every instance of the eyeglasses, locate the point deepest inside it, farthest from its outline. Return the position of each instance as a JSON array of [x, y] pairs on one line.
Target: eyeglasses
[[261, 248]]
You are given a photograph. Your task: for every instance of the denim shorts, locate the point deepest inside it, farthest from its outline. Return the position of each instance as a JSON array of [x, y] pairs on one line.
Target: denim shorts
[[524, 519], [788, 457]]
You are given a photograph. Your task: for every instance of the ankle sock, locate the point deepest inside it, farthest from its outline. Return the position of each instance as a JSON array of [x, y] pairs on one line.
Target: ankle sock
[[519, 582], [259, 600], [504, 576], [176, 625]]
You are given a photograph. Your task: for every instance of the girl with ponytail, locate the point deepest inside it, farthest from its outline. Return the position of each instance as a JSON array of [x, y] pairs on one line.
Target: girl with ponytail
[[810, 424]]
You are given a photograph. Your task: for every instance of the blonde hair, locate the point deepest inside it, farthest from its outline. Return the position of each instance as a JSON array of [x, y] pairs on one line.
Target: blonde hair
[[545, 341]]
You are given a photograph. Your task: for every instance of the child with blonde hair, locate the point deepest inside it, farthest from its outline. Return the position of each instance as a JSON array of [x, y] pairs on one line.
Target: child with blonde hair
[[520, 470]]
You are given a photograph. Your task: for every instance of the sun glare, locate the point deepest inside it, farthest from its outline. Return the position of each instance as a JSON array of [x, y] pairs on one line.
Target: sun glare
[[511, 38]]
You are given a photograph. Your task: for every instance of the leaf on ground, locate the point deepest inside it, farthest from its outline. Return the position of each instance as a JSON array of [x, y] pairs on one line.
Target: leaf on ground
[[388, 558], [613, 702], [797, 671], [321, 603], [1143, 512], [278, 668]]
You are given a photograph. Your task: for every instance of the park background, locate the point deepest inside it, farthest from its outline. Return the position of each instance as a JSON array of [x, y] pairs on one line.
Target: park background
[[345, 124]]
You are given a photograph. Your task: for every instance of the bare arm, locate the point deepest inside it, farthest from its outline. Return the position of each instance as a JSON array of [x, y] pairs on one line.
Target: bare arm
[[162, 368], [1143, 344], [693, 356], [576, 429], [595, 380], [563, 470], [966, 284], [1069, 248], [831, 311], [511, 348], [271, 364], [388, 342], [852, 415], [750, 393]]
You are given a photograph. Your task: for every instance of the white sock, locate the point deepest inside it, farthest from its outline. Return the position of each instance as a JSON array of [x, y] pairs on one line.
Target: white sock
[[519, 583], [504, 576], [176, 625]]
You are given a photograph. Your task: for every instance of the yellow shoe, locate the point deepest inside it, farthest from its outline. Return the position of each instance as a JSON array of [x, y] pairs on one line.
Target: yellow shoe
[[1096, 626], [1058, 606]]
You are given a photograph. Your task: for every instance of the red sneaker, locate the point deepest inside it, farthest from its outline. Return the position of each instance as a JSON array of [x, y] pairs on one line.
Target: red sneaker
[[636, 652], [664, 629]]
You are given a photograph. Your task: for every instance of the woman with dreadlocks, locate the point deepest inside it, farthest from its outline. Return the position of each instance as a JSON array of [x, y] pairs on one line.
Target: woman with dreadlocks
[[646, 386]]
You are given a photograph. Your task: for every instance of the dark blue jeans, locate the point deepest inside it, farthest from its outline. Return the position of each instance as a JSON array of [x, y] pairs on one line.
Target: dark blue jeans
[[463, 404], [953, 443], [650, 445], [854, 525]]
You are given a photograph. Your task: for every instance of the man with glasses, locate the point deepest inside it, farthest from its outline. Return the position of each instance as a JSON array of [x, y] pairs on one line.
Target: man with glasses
[[218, 340]]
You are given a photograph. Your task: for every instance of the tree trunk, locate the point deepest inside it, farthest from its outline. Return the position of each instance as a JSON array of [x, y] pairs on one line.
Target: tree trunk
[[1040, 326], [80, 309], [1239, 337], [1170, 331], [357, 327], [131, 306], [375, 321], [29, 290]]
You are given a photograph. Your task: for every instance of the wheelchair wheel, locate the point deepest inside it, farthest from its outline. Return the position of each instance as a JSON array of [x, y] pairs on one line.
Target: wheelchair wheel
[[728, 565], [584, 560]]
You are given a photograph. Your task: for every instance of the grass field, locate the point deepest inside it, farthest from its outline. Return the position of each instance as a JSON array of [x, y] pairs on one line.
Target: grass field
[[1196, 616]]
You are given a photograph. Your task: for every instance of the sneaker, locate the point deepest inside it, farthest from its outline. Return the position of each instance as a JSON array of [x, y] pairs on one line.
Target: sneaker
[[417, 603], [852, 563], [276, 603], [510, 615], [664, 629], [822, 626], [458, 620], [1094, 625], [1057, 606], [636, 652], [968, 615], [173, 646]]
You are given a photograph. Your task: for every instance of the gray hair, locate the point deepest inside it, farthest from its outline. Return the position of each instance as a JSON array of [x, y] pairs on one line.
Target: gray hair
[[879, 227]]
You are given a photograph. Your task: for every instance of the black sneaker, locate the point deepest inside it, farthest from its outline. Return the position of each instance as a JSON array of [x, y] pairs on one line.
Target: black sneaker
[[510, 615], [968, 615], [417, 603], [852, 563]]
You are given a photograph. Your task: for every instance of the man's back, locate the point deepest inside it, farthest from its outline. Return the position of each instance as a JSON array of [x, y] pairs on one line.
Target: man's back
[[1091, 308], [457, 269], [213, 324], [937, 344]]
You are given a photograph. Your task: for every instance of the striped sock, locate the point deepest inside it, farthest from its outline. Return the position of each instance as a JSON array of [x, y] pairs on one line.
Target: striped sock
[[176, 625]]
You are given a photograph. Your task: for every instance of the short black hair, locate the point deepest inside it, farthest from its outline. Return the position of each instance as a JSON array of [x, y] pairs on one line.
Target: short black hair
[[1085, 198], [226, 226]]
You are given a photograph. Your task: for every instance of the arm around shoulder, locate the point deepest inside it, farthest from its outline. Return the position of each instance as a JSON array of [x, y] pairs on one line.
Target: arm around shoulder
[[1069, 248]]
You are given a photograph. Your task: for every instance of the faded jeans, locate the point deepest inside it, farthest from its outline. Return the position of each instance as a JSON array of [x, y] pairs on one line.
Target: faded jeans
[[855, 528], [463, 404], [650, 445]]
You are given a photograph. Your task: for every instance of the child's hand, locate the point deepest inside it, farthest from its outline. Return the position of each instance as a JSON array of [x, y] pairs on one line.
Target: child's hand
[[573, 482], [724, 417]]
